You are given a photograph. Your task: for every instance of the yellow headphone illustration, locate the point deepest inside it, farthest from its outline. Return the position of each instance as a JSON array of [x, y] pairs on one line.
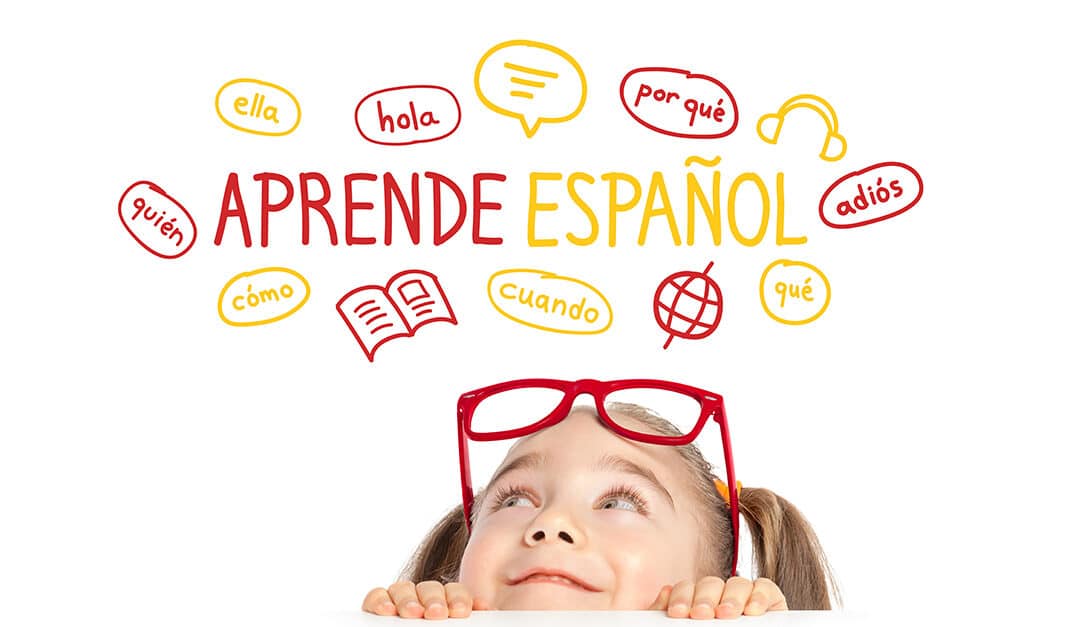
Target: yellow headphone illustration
[[768, 127]]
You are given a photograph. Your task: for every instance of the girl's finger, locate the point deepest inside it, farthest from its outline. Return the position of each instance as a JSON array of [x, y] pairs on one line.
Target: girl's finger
[[766, 596], [707, 597], [736, 593], [378, 602], [661, 602], [682, 594], [432, 596], [403, 594], [459, 599]]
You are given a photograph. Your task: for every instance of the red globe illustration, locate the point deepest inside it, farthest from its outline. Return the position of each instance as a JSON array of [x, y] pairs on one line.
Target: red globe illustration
[[688, 305]]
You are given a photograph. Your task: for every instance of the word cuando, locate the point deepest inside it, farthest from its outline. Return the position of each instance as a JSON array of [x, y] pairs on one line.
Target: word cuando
[[787, 292], [262, 296], [258, 107], [549, 302], [623, 193], [156, 220], [680, 104], [315, 201], [393, 117], [702, 305], [870, 195], [530, 81], [376, 314]]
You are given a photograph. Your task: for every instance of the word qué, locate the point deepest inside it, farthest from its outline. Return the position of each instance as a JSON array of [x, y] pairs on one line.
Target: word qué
[[678, 103], [549, 302], [156, 220], [258, 107], [876, 193], [581, 199], [794, 292], [412, 114], [262, 296], [355, 212]]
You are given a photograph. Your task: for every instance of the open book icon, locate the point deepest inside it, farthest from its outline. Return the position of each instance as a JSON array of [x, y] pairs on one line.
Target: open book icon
[[377, 314]]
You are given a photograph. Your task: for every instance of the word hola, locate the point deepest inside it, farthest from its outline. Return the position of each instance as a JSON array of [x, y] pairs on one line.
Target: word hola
[[158, 222], [408, 115]]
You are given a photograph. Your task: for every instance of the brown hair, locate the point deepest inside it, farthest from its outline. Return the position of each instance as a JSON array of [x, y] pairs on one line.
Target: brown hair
[[786, 549]]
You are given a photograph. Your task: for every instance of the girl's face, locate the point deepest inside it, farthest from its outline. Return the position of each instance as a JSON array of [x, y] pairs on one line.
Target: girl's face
[[579, 518]]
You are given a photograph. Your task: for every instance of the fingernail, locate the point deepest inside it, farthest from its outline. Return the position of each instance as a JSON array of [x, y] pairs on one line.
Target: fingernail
[[753, 606], [411, 605], [458, 606], [435, 604], [679, 608], [386, 606]]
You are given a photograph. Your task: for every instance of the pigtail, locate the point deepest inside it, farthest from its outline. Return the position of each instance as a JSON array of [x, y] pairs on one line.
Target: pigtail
[[786, 549], [438, 558]]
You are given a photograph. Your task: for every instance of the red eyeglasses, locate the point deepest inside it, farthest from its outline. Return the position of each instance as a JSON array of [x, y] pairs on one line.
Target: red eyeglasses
[[515, 409]]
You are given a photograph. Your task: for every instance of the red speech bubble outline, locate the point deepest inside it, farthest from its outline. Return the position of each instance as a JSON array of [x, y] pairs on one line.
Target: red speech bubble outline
[[883, 164], [689, 76], [157, 190], [413, 116]]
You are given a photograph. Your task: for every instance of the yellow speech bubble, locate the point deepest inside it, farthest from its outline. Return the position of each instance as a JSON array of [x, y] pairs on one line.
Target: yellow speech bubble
[[794, 292], [530, 81]]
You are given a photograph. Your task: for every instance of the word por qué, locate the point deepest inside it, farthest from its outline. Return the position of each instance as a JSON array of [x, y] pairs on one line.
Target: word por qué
[[619, 193], [693, 107]]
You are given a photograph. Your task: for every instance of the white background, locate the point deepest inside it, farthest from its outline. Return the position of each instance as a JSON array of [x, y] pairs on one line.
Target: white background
[[157, 464]]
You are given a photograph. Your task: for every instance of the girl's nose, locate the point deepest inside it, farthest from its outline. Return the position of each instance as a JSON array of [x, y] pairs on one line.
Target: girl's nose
[[553, 527]]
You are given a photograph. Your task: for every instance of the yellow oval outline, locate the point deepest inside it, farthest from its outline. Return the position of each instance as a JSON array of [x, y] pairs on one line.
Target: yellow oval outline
[[217, 106], [792, 262], [224, 290], [544, 274]]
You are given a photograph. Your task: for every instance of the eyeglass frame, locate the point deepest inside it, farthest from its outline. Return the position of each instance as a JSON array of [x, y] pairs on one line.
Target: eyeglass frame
[[712, 405]]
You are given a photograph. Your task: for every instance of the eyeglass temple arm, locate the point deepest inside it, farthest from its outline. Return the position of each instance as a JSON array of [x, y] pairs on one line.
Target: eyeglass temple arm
[[720, 415], [466, 474]]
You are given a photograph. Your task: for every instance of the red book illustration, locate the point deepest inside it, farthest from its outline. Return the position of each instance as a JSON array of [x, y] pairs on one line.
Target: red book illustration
[[377, 314]]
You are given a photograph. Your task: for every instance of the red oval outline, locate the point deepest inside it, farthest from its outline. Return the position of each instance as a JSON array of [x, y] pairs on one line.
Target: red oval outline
[[356, 112], [154, 187], [686, 74], [821, 203]]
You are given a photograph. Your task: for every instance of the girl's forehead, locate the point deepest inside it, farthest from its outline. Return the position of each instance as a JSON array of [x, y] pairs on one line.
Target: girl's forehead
[[581, 439]]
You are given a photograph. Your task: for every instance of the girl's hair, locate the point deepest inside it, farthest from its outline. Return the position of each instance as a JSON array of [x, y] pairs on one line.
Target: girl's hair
[[786, 550]]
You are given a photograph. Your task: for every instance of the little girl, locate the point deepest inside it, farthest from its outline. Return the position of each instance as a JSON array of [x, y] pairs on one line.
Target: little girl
[[605, 507]]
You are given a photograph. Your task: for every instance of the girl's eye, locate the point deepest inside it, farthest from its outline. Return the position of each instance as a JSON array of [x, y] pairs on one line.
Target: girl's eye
[[512, 496], [625, 498], [515, 501]]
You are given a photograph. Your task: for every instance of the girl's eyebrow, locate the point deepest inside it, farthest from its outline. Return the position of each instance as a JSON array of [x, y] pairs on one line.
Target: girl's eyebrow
[[621, 464], [524, 462]]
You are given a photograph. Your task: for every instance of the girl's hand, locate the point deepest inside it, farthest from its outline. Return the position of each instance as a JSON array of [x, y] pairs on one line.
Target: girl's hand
[[427, 599], [712, 597]]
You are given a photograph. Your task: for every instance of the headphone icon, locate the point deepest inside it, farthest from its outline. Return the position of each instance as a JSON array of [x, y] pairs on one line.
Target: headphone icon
[[768, 126]]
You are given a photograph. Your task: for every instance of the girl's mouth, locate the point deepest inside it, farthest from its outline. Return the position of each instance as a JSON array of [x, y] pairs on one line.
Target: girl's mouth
[[555, 577]]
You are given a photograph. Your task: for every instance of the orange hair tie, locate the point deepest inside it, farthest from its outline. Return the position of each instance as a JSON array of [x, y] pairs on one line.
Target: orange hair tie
[[722, 488]]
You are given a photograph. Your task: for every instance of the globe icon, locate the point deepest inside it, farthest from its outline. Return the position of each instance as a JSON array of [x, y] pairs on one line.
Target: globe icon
[[688, 305]]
